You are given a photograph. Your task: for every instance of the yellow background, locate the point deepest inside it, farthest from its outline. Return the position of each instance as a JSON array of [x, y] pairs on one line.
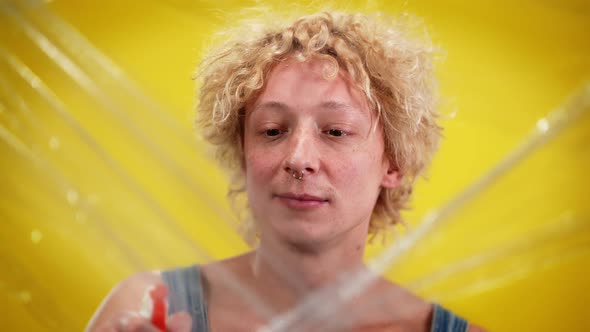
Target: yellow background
[[101, 175]]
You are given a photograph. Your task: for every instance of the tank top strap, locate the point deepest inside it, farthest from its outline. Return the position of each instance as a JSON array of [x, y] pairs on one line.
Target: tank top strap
[[444, 320], [186, 294]]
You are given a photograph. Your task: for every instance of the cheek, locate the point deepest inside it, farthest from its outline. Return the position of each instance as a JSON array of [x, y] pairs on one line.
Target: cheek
[[361, 176], [361, 165], [258, 165]]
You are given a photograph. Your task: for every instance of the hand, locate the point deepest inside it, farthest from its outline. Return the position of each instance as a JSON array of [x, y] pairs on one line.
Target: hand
[[134, 322]]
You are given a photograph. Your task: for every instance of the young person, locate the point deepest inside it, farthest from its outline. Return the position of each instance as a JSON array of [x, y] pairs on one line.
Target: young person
[[324, 124]]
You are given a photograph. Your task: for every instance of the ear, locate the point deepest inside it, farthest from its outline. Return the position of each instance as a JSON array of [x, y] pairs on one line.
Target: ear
[[392, 178]]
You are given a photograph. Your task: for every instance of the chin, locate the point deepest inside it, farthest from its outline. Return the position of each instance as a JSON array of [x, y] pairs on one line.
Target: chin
[[305, 235]]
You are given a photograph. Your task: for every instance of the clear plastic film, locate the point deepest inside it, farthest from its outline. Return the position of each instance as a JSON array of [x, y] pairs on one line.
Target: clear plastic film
[[102, 177]]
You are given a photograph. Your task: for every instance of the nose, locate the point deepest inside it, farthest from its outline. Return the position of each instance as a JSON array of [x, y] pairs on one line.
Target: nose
[[302, 152]]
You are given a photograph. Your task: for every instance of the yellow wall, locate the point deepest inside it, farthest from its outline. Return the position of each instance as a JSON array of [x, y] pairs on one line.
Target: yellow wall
[[102, 177]]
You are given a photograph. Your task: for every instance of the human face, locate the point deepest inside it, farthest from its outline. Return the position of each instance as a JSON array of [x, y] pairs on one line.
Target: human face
[[304, 122]]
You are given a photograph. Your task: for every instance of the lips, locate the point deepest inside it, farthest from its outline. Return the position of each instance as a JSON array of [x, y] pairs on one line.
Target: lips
[[301, 201]]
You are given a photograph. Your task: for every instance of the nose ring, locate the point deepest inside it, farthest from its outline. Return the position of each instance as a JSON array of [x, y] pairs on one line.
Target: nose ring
[[297, 175]]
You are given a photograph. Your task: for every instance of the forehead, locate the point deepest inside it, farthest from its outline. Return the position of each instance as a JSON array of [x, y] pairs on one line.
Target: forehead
[[305, 84]]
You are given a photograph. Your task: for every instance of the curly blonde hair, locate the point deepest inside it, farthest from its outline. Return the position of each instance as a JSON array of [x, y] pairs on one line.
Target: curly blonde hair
[[393, 70]]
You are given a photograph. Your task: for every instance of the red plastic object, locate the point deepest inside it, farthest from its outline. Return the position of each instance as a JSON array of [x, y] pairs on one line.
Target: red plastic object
[[159, 294]]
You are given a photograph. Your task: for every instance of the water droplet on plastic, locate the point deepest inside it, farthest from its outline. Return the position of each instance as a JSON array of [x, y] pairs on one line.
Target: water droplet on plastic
[[24, 297], [543, 125], [36, 236], [54, 143], [72, 196]]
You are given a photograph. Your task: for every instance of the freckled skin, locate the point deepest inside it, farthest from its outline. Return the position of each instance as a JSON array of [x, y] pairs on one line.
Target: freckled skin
[[346, 167]]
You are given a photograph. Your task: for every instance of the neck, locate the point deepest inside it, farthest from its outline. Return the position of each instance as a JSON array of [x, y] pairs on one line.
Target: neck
[[289, 271]]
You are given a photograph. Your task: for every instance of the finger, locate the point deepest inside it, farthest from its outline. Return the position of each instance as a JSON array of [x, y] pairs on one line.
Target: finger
[[146, 326], [134, 322], [180, 322], [106, 328]]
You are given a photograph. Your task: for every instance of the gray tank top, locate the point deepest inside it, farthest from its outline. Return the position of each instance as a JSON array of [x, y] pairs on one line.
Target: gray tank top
[[186, 293]]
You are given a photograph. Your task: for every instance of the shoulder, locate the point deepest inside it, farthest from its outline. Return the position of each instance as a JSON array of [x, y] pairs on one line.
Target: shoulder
[[216, 274], [125, 297], [400, 306]]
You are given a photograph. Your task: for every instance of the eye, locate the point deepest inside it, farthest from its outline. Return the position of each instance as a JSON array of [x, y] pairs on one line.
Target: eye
[[336, 132], [272, 132]]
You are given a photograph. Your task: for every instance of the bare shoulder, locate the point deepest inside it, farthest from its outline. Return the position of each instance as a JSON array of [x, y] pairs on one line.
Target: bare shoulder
[[475, 328], [215, 274], [396, 304], [124, 297]]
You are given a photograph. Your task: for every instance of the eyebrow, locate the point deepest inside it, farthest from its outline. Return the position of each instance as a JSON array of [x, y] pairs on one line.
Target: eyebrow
[[271, 105], [328, 105], [335, 105]]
